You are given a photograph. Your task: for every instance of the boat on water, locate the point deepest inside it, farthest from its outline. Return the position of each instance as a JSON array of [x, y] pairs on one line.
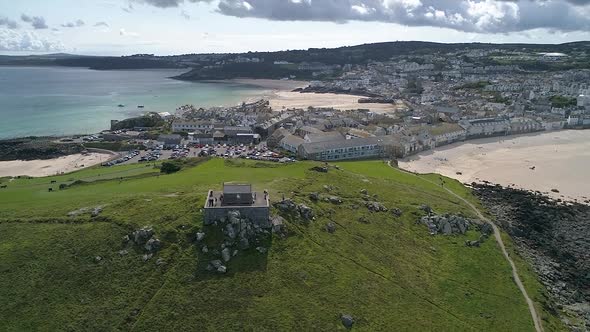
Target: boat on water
[[140, 106], [121, 105]]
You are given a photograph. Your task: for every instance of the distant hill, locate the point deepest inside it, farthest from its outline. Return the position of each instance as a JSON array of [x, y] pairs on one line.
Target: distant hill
[[357, 54]]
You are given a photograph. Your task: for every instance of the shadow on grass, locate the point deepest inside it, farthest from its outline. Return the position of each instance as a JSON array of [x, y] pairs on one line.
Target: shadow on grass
[[244, 261]]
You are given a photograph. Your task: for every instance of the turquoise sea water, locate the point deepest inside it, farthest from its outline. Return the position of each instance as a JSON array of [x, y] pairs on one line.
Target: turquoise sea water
[[38, 101]]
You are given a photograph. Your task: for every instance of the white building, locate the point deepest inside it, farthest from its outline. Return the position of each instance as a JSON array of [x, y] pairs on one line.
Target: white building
[[485, 127], [291, 143], [190, 126]]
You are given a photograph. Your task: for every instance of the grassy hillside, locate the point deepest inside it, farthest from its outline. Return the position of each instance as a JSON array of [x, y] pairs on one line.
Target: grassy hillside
[[387, 272]]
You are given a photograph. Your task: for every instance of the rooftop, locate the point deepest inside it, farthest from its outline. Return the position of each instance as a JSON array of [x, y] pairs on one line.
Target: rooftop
[[343, 143], [324, 137], [237, 188], [258, 200]]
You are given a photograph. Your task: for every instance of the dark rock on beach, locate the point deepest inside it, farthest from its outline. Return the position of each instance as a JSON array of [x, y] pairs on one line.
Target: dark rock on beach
[[552, 235]]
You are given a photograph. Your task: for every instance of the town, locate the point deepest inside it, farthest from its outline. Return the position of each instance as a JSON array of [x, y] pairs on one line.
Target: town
[[437, 99]]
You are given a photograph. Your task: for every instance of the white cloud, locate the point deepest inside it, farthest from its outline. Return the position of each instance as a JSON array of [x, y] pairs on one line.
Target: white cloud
[[482, 16], [76, 24], [37, 22], [124, 32], [247, 5], [28, 41]]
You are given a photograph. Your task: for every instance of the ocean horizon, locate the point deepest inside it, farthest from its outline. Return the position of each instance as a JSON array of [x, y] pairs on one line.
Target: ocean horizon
[[59, 101]]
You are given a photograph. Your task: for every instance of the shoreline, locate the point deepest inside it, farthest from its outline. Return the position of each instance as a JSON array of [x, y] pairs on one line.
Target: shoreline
[[545, 162], [49, 167], [289, 99], [281, 96], [265, 83]]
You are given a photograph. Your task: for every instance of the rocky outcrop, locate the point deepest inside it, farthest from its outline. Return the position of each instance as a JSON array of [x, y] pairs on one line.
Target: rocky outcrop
[[286, 205], [347, 320], [142, 235], [144, 239], [302, 210], [426, 208], [279, 226], [334, 200], [239, 233], [225, 254], [36, 148], [447, 224], [553, 236], [217, 266], [305, 212], [320, 169], [331, 227], [91, 211], [375, 207], [152, 245]]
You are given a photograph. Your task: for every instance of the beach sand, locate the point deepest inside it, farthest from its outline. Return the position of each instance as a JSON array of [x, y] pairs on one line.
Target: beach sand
[[287, 99], [560, 160], [40, 168], [281, 96]]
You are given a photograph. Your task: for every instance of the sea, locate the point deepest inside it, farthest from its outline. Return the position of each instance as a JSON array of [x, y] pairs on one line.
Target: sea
[[58, 101]]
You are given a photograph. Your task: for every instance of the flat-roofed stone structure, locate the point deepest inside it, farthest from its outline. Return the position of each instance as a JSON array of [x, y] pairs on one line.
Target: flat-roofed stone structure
[[254, 206]]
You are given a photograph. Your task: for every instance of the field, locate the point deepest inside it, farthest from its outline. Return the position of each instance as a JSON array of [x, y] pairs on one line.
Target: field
[[387, 272]]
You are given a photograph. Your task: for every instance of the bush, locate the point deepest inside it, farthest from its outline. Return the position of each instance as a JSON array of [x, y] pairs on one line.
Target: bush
[[170, 167]]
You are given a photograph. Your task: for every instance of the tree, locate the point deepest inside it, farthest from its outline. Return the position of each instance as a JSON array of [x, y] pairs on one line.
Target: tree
[[169, 167]]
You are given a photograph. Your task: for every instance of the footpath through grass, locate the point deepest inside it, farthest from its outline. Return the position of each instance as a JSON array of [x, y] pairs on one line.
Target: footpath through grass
[[385, 271]]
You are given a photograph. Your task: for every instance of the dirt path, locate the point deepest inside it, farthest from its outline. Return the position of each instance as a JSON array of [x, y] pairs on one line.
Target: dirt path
[[498, 237]]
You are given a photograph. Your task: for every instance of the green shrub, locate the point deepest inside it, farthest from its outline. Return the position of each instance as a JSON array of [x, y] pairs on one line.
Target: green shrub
[[170, 167]]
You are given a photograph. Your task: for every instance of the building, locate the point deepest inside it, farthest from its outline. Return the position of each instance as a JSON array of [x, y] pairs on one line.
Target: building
[[583, 101], [323, 137], [170, 141], [191, 126], [267, 128], [485, 127], [255, 206], [307, 130], [343, 149], [233, 135], [274, 140], [201, 137], [552, 122], [291, 142], [523, 125], [447, 133]]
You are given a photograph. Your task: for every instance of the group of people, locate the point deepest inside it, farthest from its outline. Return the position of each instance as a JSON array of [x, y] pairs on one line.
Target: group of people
[[212, 201]]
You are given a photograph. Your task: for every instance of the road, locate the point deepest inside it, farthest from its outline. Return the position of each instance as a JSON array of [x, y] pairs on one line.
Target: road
[[498, 237]]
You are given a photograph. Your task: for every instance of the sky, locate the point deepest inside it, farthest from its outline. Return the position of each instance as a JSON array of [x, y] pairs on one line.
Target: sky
[[165, 27]]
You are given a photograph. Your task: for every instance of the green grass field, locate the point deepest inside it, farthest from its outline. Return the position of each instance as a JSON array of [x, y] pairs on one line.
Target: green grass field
[[389, 273]]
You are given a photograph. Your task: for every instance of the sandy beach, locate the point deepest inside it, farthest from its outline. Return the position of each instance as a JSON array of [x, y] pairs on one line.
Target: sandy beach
[[281, 96], [551, 160], [287, 99], [40, 168]]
